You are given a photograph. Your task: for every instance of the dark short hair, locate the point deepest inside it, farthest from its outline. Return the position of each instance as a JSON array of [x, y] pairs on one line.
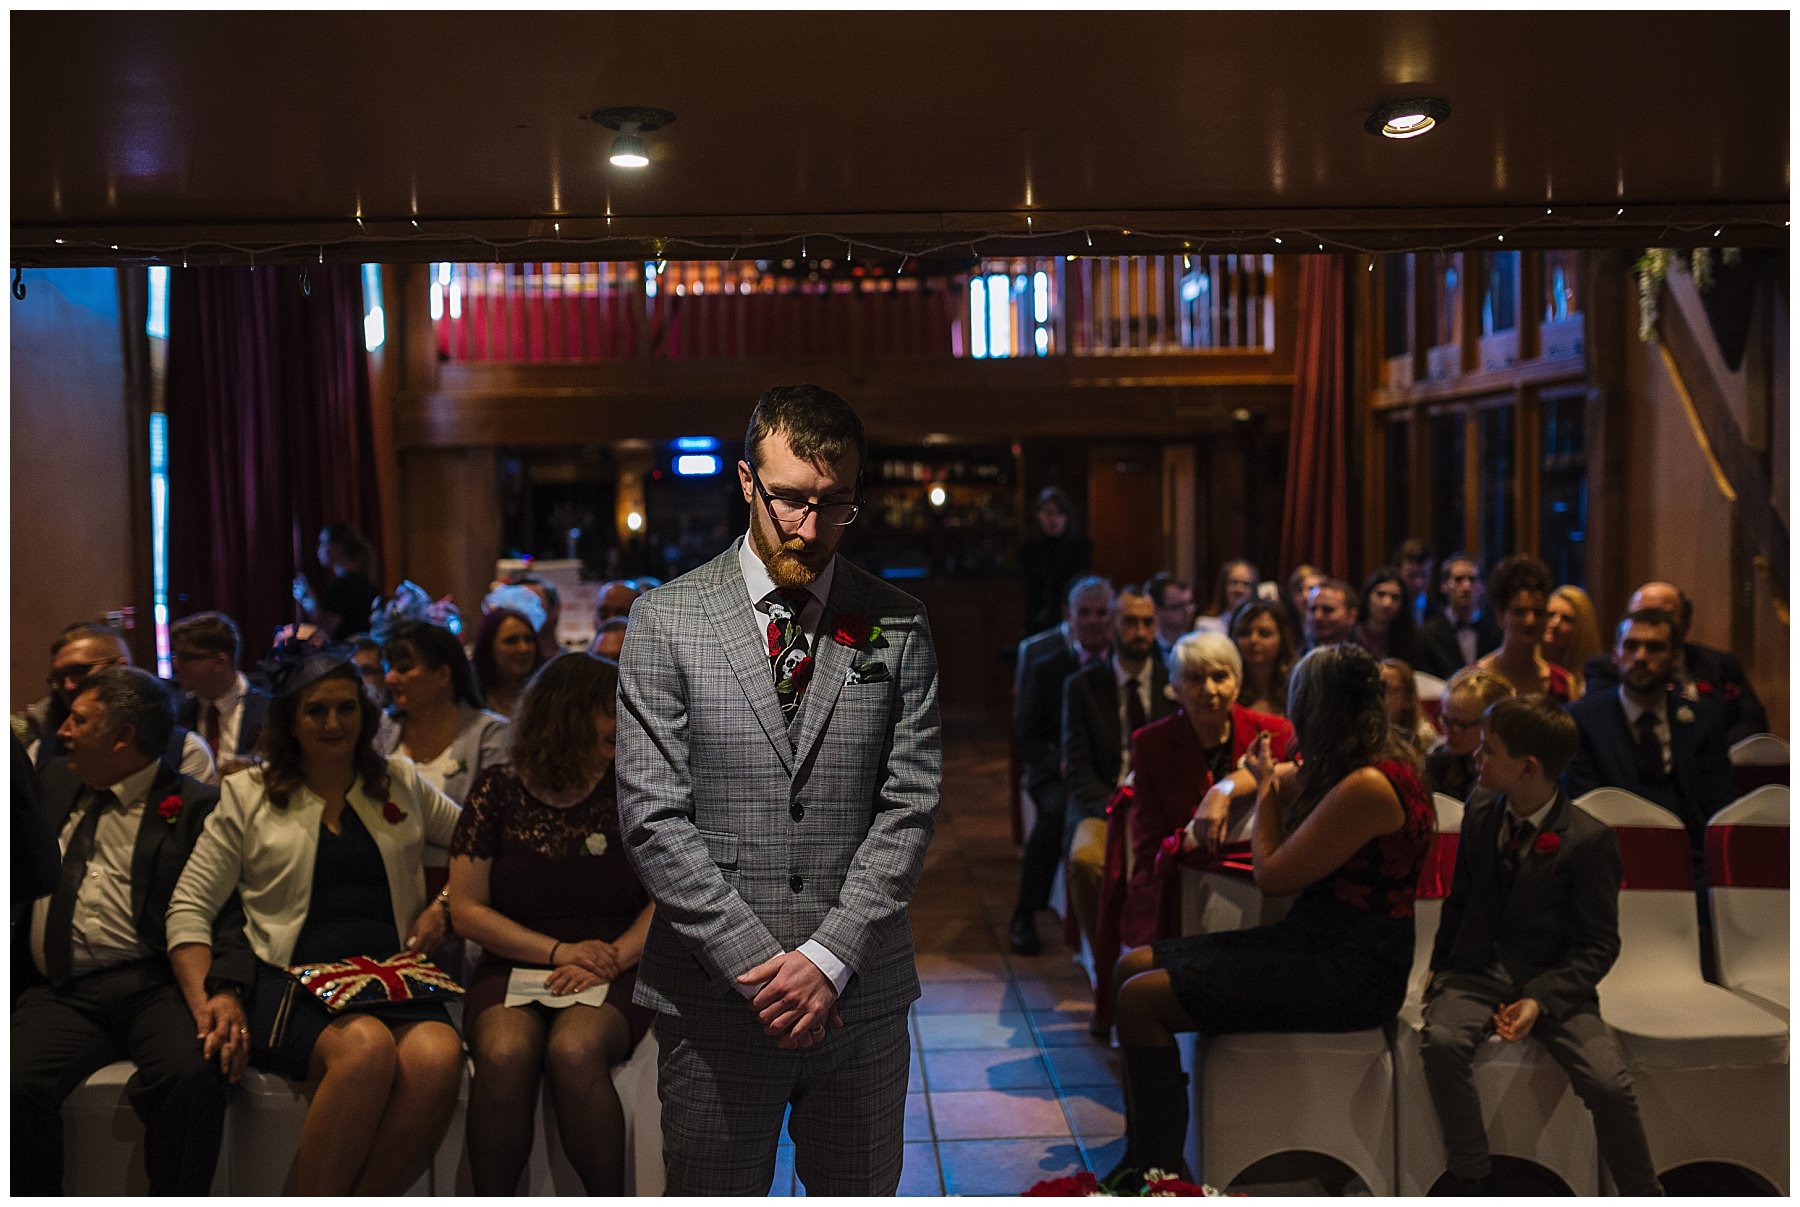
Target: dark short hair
[[1054, 496], [1656, 616], [1159, 583], [820, 426], [98, 629], [1412, 549], [135, 698], [208, 632], [1352, 601], [1535, 726], [1133, 591], [1459, 556], [434, 646], [1520, 572]]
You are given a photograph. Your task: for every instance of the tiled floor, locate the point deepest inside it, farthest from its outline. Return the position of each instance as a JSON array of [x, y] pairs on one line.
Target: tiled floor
[[1008, 1087]]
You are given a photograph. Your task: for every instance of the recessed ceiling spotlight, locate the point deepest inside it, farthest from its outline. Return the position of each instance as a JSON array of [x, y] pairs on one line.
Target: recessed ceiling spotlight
[[632, 122], [1408, 118]]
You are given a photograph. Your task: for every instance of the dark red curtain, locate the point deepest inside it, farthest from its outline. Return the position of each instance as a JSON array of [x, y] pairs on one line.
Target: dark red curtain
[[270, 435], [1316, 506]]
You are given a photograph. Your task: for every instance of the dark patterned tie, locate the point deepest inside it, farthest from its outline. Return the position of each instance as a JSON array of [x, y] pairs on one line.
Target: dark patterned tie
[[1649, 748], [1518, 833], [59, 926], [788, 656], [1134, 708], [209, 728]]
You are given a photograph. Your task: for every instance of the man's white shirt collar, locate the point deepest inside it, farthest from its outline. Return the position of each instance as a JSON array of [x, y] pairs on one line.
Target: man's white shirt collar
[[759, 584]]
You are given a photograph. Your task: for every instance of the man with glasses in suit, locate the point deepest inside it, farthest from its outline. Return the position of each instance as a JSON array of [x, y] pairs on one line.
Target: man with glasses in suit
[[778, 772]]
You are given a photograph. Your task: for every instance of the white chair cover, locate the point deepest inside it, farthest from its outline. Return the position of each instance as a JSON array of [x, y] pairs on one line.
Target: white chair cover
[[1759, 750], [1709, 1067], [1528, 1107], [103, 1139], [1747, 849]]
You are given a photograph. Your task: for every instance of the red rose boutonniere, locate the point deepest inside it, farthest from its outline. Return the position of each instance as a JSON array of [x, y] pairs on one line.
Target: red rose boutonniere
[[169, 807], [393, 813], [855, 631], [1548, 843]]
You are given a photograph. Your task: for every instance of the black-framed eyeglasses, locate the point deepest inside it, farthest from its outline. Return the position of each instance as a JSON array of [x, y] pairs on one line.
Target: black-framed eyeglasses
[[784, 510]]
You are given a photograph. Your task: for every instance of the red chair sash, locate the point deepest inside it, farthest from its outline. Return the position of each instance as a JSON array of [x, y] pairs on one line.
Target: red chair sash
[[1747, 856], [1656, 859], [1439, 868]]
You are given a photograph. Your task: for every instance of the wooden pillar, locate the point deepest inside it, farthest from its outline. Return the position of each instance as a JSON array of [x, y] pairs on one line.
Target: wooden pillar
[[452, 523], [1607, 326]]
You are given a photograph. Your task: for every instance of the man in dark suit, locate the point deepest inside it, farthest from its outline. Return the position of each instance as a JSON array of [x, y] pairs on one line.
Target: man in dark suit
[[222, 706], [1642, 737], [1103, 705], [1037, 726], [1174, 602], [1413, 559], [104, 991], [1332, 610], [77, 652], [1463, 631], [1701, 672], [1529, 928]]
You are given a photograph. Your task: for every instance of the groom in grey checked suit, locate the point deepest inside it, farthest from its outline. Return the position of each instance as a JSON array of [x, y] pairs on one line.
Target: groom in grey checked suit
[[781, 850]]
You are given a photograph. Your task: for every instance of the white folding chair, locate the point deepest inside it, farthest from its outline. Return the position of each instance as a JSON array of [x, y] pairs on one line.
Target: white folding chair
[[1747, 871], [103, 1139], [1760, 759], [1528, 1107], [1710, 1069], [548, 1171]]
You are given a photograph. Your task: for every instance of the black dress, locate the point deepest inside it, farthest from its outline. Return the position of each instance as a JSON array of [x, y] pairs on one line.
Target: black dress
[[351, 914], [1338, 961], [350, 597]]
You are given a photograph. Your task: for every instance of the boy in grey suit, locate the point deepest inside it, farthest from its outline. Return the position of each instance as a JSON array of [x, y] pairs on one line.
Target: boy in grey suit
[[778, 772], [1529, 928]]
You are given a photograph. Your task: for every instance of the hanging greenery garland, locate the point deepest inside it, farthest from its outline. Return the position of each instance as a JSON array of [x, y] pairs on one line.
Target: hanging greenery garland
[[1657, 262]]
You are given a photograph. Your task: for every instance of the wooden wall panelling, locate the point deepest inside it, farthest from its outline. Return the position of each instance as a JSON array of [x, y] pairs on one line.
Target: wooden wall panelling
[[452, 533], [1124, 506], [1606, 328]]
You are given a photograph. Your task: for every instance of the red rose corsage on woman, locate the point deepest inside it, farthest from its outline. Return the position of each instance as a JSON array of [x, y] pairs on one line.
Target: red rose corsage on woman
[[393, 813], [169, 807], [1547, 843]]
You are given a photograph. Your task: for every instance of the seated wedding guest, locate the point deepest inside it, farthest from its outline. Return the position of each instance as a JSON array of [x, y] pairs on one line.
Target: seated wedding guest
[[443, 727], [366, 653], [1347, 829], [609, 639], [1266, 645], [1463, 631], [1412, 557], [1571, 632], [1174, 603], [1410, 725], [614, 600], [1520, 589], [1386, 628], [1236, 584], [1300, 582], [1529, 929], [1332, 609], [1056, 555], [1699, 672], [323, 843], [505, 655], [98, 984], [80, 650], [342, 609], [541, 881], [222, 706], [1183, 766], [1450, 765], [551, 598]]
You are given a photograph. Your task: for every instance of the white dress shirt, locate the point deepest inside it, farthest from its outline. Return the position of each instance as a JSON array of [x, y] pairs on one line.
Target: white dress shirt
[[1634, 710], [1143, 691], [231, 716], [103, 931], [1535, 820], [758, 585]]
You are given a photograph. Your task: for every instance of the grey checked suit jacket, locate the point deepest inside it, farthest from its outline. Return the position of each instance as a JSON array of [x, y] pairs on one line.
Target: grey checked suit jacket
[[753, 838]]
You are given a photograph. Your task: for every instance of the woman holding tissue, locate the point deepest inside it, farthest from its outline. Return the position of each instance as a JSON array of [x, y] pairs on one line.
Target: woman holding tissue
[[540, 880]]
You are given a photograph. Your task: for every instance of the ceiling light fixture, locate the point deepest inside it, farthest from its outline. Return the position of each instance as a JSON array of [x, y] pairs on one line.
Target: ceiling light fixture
[[631, 122], [1408, 118]]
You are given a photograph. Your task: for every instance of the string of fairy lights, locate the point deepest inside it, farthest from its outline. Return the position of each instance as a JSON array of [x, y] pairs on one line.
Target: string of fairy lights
[[425, 233]]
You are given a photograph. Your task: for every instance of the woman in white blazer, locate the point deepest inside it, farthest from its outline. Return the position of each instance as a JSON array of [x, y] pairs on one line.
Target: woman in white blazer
[[323, 845]]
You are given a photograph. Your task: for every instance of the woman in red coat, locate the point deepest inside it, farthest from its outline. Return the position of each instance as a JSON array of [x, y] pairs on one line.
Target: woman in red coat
[[1175, 764]]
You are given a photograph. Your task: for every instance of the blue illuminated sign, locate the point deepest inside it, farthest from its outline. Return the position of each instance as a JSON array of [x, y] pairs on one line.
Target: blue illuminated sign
[[696, 465]]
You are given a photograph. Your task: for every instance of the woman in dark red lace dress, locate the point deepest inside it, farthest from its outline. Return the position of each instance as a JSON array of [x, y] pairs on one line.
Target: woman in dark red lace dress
[[539, 879], [1347, 829]]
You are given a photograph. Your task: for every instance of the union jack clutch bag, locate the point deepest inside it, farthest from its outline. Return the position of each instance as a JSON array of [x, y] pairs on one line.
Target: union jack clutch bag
[[360, 982]]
